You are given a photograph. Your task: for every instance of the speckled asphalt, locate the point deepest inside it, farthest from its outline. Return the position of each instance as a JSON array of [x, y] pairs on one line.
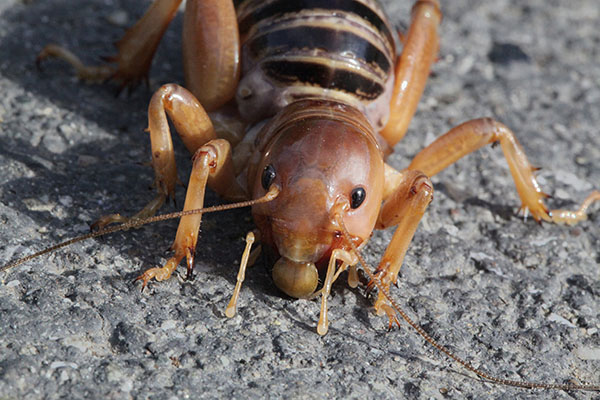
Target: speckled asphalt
[[520, 300]]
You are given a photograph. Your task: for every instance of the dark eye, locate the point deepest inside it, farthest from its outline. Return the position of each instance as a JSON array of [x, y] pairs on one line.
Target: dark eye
[[357, 197], [268, 176]]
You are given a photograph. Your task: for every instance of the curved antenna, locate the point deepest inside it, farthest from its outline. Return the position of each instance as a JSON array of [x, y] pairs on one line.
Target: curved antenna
[[135, 223], [467, 365]]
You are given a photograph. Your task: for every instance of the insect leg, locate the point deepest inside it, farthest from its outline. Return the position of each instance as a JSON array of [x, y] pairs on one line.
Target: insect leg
[[211, 51], [213, 167], [572, 217], [404, 207], [135, 49], [195, 129], [412, 68], [472, 135]]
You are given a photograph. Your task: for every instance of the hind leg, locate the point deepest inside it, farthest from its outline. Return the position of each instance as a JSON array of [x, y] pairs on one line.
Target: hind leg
[[211, 51], [211, 58], [135, 49], [412, 68]]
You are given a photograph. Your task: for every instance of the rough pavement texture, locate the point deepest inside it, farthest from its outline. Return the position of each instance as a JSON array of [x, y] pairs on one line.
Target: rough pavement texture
[[518, 299]]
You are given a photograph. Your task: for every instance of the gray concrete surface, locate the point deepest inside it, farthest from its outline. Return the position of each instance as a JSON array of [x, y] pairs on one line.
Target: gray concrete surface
[[518, 299]]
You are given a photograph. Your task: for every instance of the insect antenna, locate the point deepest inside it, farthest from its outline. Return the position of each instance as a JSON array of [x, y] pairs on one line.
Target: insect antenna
[[467, 365], [136, 223]]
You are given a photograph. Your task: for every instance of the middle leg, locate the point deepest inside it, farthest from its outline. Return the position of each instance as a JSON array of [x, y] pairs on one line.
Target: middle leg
[[195, 129], [474, 134]]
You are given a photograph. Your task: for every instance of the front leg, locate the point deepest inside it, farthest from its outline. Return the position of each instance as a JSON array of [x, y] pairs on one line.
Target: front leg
[[405, 206]]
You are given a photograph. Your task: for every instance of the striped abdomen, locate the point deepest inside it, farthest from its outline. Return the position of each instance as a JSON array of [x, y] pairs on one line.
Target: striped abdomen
[[337, 49]]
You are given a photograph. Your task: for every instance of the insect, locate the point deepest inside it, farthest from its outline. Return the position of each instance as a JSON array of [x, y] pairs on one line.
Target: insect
[[308, 219]]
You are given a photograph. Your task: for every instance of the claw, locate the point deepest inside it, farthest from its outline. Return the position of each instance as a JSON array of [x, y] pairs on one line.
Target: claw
[[539, 212], [370, 286], [120, 87], [147, 276], [96, 226], [144, 283], [392, 320], [391, 314], [544, 214]]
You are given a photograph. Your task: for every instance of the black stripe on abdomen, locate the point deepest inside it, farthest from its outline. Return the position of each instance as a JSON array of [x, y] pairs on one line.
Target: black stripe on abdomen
[[319, 74], [280, 7], [312, 37]]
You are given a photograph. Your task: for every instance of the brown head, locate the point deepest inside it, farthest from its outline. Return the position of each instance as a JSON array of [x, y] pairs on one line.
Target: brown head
[[325, 161]]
